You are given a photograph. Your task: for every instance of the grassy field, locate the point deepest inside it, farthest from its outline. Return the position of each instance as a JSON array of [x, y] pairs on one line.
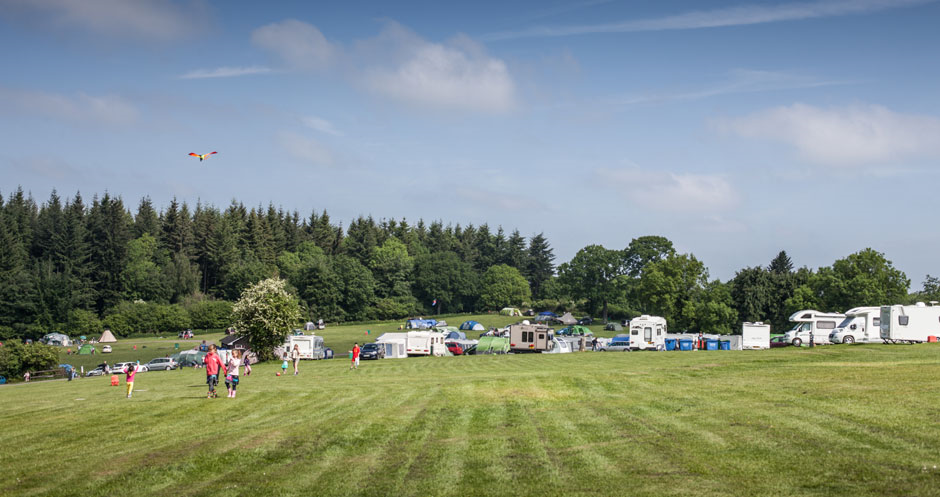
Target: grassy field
[[838, 420]]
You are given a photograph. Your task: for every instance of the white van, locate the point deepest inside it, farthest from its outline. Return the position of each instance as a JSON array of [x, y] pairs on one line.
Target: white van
[[820, 324], [861, 325], [910, 323], [648, 333], [755, 336]]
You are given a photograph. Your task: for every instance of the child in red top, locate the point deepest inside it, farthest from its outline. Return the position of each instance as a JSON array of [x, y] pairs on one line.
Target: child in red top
[[213, 365], [355, 357]]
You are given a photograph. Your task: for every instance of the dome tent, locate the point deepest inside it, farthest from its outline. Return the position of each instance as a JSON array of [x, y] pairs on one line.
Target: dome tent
[[472, 326]]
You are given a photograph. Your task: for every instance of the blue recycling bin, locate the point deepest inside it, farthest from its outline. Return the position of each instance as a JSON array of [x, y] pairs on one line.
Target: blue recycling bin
[[685, 344], [711, 344], [725, 345], [670, 344]]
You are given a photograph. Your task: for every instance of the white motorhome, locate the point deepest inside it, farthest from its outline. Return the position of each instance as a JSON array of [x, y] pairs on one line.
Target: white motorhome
[[394, 344], [861, 324], [310, 346], [809, 321], [530, 337], [755, 336], [909, 323], [425, 343], [648, 333]]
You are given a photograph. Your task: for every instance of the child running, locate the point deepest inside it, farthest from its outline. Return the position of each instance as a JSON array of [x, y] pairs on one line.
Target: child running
[[130, 370], [213, 364], [231, 380]]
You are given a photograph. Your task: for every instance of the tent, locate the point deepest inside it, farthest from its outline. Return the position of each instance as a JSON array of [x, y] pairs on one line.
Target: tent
[[549, 314], [568, 319], [107, 337], [188, 357], [573, 330], [57, 339], [420, 324], [492, 345], [472, 326], [546, 316], [613, 327], [86, 349], [456, 335], [510, 311], [446, 329]]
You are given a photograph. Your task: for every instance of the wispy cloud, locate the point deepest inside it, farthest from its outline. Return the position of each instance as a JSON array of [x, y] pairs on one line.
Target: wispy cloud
[[81, 108], [742, 15], [300, 45], [321, 125], [305, 149], [666, 191], [225, 72], [849, 136]]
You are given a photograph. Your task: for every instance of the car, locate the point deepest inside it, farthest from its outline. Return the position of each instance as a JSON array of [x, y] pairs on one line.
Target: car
[[454, 348], [118, 367], [779, 341], [617, 345], [185, 334], [372, 351], [586, 321], [99, 371], [106, 349], [161, 363]]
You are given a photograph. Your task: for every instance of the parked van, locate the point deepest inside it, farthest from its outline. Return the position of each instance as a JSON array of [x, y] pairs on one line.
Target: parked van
[[755, 336], [910, 323], [820, 324], [861, 324], [530, 337], [648, 333], [425, 343]]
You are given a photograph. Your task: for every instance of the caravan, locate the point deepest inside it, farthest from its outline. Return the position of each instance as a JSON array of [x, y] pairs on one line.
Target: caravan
[[530, 337], [755, 336], [394, 344], [910, 323], [648, 333], [861, 324], [811, 322], [425, 343], [310, 346]]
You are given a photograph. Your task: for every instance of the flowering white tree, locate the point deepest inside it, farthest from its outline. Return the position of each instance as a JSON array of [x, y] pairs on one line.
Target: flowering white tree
[[265, 313]]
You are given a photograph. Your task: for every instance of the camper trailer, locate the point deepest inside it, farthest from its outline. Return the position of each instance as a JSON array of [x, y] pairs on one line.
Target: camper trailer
[[310, 346], [820, 324], [425, 343], [861, 324], [530, 337], [755, 336], [910, 323], [648, 333], [394, 344]]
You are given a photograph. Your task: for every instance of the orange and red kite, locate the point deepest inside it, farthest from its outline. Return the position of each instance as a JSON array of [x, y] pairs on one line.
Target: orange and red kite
[[203, 156]]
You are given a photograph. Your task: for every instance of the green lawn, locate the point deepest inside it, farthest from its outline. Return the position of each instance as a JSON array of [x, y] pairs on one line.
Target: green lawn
[[837, 420]]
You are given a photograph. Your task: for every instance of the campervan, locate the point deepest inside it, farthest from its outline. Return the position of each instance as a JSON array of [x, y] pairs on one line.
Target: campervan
[[910, 323], [808, 321], [755, 336], [310, 346], [530, 337], [648, 333], [861, 324], [425, 343], [394, 344]]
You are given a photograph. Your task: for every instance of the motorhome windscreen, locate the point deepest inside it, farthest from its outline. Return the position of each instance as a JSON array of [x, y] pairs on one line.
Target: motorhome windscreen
[[802, 327], [846, 322]]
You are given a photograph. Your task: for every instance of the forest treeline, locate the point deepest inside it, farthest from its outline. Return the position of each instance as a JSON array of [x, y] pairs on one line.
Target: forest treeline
[[76, 266]]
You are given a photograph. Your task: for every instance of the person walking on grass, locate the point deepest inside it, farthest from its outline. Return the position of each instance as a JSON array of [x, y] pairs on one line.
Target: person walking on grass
[[295, 357], [246, 362], [130, 370], [354, 357], [284, 365], [231, 380], [213, 365]]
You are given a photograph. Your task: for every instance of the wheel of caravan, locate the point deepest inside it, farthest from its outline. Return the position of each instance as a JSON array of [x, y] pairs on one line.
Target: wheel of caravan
[[167, 368], [848, 339], [321, 355], [797, 342]]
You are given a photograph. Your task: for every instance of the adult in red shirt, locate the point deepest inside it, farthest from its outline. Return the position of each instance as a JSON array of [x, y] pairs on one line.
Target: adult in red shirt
[[355, 357], [213, 364]]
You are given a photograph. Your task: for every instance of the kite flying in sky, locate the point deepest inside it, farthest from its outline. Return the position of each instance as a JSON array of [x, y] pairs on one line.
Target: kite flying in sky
[[203, 156]]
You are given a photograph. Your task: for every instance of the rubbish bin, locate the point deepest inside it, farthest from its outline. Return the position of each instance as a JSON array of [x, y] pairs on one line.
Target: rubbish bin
[[711, 344], [670, 344], [725, 345], [685, 344]]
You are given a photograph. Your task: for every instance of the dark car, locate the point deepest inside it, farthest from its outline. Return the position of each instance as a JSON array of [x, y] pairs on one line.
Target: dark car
[[779, 341], [372, 351], [586, 321]]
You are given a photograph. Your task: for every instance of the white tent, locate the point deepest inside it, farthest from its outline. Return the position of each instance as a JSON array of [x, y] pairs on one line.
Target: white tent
[[107, 337], [568, 319]]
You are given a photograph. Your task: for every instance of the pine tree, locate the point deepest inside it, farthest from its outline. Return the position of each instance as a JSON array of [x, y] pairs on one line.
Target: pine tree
[[781, 264], [540, 265], [147, 220]]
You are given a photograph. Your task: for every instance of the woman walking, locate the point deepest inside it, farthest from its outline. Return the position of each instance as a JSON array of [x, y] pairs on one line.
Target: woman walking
[[295, 356], [130, 370]]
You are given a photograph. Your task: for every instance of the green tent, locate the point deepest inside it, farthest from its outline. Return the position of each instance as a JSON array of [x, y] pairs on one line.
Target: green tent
[[575, 329], [86, 349], [493, 345], [510, 311]]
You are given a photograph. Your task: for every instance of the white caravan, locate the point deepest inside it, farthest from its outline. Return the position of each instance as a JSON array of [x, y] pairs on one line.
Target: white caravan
[[425, 343], [530, 337], [310, 346], [559, 346], [808, 321], [394, 344], [909, 323], [861, 324], [648, 333], [755, 336]]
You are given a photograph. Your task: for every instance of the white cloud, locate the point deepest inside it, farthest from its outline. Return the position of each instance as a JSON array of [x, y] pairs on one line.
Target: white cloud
[[82, 108], [849, 136], [298, 44], [225, 72], [662, 191], [145, 19], [741, 15], [321, 125], [305, 149]]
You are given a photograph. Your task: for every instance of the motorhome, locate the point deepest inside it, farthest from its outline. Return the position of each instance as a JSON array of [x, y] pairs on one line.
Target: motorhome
[[648, 333], [425, 343], [861, 324], [755, 336], [811, 322], [910, 323], [530, 337], [394, 344], [310, 346]]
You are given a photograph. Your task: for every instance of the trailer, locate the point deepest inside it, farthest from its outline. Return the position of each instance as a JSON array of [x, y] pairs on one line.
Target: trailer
[[910, 323], [861, 324], [755, 336], [425, 343], [648, 333], [530, 337], [310, 346], [812, 323], [394, 344]]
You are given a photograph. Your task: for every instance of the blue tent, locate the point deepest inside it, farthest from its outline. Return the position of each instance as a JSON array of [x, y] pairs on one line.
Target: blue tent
[[456, 335], [548, 313], [420, 324], [472, 326]]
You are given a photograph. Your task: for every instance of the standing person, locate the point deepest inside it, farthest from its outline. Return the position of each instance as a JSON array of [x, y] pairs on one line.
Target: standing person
[[295, 357], [247, 363], [213, 365], [594, 344], [130, 370], [231, 380], [355, 357], [284, 365], [26, 377]]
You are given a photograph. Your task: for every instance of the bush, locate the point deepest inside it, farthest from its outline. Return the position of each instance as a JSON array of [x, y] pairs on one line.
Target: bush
[[144, 317], [17, 358], [211, 314]]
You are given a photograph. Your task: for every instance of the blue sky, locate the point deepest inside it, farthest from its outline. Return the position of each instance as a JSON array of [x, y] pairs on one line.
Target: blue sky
[[736, 129]]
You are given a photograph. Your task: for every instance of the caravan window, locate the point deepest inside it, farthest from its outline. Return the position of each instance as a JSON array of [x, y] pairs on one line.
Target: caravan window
[[825, 325], [876, 322], [903, 320]]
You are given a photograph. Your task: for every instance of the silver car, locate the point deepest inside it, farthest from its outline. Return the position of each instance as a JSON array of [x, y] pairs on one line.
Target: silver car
[[161, 363]]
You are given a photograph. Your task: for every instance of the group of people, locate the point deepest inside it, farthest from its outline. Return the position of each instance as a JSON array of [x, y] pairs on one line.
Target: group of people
[[214, 365]]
